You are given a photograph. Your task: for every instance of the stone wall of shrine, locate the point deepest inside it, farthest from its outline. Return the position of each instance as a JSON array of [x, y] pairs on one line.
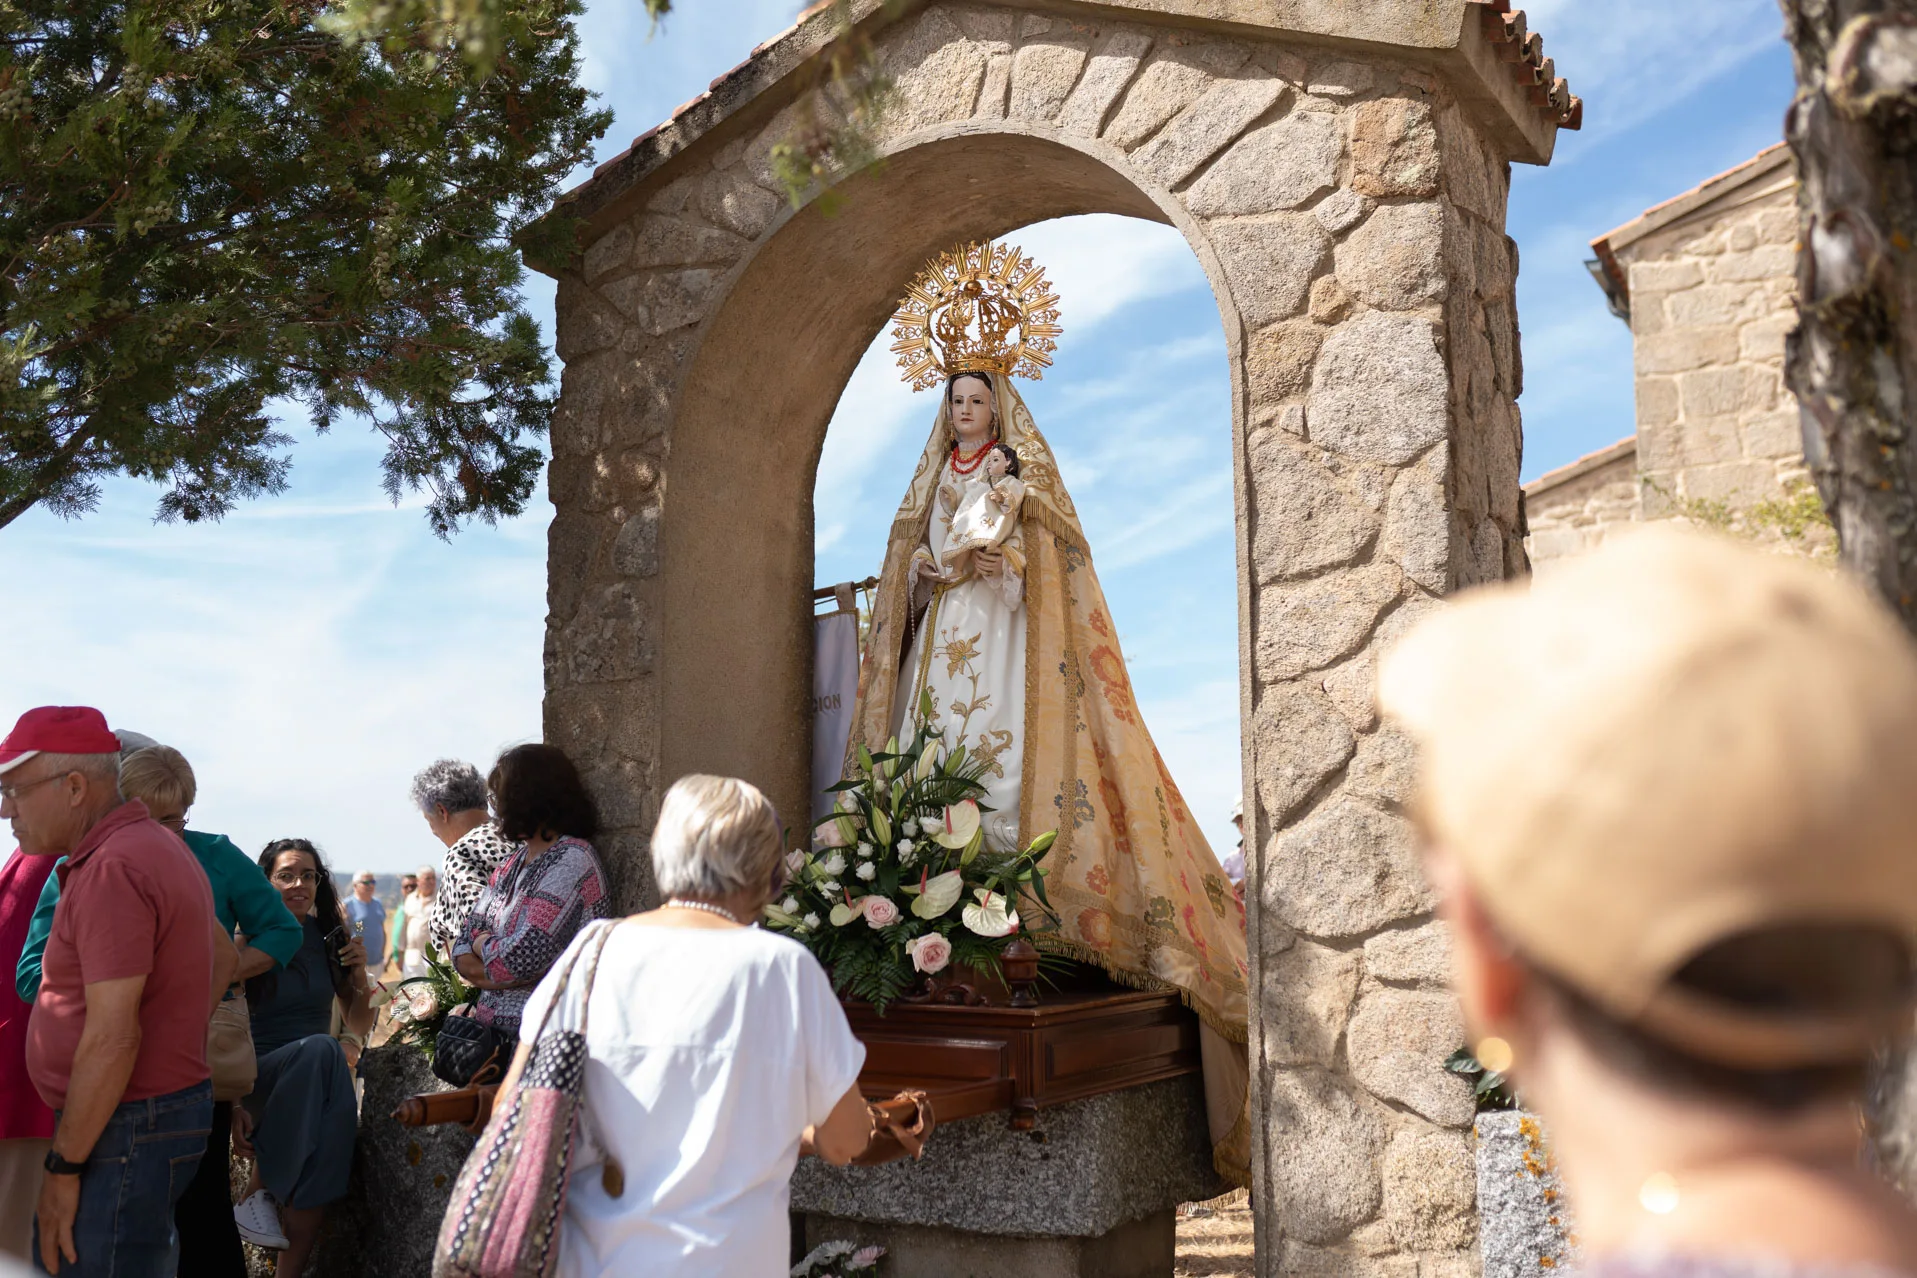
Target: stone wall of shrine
[[1347, 201]]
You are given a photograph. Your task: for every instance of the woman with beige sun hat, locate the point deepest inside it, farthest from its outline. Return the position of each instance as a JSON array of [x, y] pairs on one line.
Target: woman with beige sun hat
[[1667, 796]]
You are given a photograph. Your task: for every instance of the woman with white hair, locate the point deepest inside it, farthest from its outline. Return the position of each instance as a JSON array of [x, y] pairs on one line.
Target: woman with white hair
[[696, 1102], [452, 796]]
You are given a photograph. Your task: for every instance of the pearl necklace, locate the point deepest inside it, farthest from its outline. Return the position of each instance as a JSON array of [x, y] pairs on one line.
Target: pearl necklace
[[963, 465], [707, 906]]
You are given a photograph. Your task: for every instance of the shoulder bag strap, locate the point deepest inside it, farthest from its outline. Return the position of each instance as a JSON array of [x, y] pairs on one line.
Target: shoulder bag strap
[[565, 979]]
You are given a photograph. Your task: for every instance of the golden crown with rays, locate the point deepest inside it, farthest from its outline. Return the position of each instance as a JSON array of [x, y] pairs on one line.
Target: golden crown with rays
[[976, 308]]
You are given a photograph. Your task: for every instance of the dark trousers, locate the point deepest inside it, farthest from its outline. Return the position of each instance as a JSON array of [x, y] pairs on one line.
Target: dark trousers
[[142, 1163], [209, 1238]]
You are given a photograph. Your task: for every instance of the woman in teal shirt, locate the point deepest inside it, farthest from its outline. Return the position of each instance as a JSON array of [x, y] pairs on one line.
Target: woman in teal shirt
[[161, 778], [242, 898]]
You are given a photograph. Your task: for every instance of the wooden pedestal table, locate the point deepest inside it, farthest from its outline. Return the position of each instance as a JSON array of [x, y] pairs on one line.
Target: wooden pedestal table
[[1068, 1132]]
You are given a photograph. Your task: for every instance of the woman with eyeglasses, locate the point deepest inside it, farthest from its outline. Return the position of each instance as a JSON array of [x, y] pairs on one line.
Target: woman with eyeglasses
[[299, 1124]]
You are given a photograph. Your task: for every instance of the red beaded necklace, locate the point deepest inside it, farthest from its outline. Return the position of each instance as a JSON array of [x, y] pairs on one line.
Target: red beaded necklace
[[963, 465]]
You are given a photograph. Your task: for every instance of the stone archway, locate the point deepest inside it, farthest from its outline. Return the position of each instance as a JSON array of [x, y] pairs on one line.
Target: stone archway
[[1344, 190]]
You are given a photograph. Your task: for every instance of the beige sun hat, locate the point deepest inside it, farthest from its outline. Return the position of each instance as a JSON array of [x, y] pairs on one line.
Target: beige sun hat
[[1662, 745]]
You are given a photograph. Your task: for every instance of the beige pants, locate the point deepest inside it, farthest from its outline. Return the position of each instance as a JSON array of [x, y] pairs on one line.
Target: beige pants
[[22, 1163]]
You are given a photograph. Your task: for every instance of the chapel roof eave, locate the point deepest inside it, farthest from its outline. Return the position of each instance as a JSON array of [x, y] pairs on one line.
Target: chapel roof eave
[[1491, 59], [1764, 173]]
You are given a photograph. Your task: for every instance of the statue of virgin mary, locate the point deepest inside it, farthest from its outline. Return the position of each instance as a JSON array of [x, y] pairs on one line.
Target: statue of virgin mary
[[989, 603]]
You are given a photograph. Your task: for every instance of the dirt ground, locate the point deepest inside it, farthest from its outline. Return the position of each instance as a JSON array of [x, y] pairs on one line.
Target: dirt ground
[[1214, 1239]]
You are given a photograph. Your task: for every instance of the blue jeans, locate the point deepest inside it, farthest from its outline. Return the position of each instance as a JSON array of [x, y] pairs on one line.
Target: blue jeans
[[142, 1163]]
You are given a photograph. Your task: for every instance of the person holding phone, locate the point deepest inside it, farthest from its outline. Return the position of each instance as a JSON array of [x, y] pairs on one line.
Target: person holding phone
[[299, 1124]]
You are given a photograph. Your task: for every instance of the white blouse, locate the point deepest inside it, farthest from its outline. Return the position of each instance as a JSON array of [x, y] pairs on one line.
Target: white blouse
[[710, 1052]]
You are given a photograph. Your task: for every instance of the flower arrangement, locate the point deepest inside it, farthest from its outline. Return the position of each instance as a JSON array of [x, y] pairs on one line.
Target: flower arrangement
[[900, 884], [421, 1003], [838, 1260]]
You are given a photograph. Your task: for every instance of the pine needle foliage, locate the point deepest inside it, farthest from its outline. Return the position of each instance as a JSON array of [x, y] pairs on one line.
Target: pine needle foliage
[[211, 208]]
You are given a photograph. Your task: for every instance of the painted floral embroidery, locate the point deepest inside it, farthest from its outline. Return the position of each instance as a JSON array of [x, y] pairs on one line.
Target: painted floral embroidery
[[959, 654], [990, 745], [1096, 927], [1115, 807], [1099, 881], [1110, 669], [1078, 811]]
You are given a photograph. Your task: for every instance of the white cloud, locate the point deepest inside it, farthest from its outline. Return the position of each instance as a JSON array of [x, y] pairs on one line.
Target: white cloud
[[1102, 263], [308, 655], [1632, 59]]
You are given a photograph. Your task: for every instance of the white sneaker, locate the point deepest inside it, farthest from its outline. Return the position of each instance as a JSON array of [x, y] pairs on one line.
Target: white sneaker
[[258, 1219]]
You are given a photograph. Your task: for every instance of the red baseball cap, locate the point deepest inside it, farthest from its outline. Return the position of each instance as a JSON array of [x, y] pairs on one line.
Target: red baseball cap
[[57, 730]]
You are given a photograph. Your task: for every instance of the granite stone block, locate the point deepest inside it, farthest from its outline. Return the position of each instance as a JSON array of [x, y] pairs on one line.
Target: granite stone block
[[1524, 1224], [1089, 1167]]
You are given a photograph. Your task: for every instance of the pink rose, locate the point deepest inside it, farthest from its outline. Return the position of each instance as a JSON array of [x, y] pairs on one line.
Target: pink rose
[[930, 953], [879, 911]]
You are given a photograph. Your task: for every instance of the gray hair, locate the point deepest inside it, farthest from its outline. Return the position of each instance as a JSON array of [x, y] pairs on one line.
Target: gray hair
[[133, 742], [715, 836], [450, 784], [101, 769]]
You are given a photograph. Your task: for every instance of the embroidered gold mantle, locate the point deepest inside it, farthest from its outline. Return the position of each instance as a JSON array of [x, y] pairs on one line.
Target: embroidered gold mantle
[[1140, 892]]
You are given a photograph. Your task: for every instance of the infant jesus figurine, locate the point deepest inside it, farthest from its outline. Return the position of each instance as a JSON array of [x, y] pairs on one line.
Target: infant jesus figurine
[[987, 517]]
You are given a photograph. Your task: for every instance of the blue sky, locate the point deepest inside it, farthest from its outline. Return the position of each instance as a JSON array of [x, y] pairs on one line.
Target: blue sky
[[314, 650]]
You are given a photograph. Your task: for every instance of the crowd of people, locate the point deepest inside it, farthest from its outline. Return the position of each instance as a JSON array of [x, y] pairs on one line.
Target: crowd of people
[[176, 1001], [1664, 801]]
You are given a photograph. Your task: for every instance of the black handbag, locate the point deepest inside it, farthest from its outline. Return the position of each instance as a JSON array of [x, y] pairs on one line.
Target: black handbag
[[464, 1050]]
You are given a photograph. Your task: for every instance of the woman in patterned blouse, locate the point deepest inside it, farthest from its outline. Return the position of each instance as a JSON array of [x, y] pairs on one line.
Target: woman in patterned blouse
[[451, 795], [542, 894]]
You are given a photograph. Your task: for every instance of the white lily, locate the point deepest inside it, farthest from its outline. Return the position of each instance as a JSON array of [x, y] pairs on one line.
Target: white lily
[[960, 824], [992, 916], [939, 895]]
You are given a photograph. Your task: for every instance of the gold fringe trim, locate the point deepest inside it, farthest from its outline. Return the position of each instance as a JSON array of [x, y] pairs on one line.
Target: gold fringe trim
[[1065, 947]]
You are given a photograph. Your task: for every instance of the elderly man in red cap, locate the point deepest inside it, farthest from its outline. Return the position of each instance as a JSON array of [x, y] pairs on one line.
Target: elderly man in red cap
[[117, 1040]]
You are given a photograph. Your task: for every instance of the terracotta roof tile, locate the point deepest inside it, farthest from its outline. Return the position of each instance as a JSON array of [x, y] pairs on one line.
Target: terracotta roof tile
[[1515, 43]]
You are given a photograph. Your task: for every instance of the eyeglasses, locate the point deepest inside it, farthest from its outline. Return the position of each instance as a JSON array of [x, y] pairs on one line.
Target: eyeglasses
[[292, 878], [12, 792]]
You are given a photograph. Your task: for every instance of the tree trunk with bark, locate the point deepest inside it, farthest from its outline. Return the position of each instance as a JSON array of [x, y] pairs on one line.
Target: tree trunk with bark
[[1853, 359]]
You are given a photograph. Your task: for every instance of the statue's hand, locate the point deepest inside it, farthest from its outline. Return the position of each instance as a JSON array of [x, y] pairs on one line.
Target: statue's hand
[[990, 563], [929, 570]]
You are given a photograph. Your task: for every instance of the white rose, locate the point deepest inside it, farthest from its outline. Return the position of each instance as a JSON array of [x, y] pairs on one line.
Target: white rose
[[833, 865], [865, 849], [868, 871], [905, 847], [811, 920], [790, 905], [830, 887]]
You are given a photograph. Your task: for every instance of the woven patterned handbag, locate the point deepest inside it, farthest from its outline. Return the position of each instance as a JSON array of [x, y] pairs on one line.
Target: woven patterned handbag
[[509, 1200]]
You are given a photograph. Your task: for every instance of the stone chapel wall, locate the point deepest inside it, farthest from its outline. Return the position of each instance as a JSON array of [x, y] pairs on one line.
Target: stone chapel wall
[[1709, 279], [1349, 209], [1712, 299]]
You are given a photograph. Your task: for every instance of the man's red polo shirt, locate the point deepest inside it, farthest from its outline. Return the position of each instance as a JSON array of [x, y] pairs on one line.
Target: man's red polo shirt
[[133, 902]]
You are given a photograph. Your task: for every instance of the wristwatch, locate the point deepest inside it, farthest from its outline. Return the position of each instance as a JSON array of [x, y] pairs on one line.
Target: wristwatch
[[61, 1167]]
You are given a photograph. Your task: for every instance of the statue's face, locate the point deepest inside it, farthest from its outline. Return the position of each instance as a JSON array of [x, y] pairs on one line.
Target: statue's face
[[996, 466], [972, 407]]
